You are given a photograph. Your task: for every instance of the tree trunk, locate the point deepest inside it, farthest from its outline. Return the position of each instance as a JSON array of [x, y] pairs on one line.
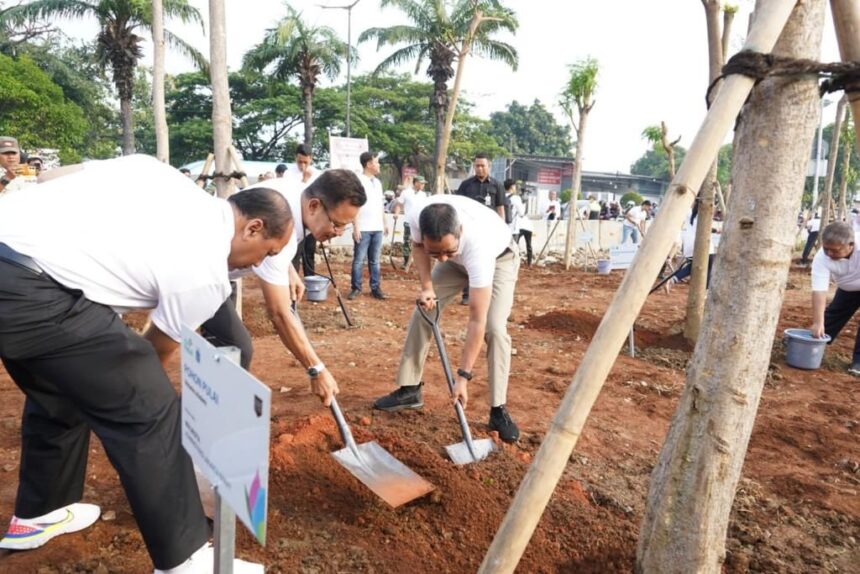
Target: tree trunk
[[577, 183], [222, 124], [162, 143], [702, 246], [826, 211], [694, 482], [444, 139], [728, 19], [843, 184], [552, 458], [846, 20], [438, 160], [127, 126], [308, 102]]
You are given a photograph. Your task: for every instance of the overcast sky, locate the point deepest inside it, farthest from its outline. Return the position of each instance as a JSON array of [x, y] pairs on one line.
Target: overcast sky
[[652, 57]]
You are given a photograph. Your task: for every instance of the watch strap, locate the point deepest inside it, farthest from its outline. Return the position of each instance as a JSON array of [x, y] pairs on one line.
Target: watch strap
[[465, 374]]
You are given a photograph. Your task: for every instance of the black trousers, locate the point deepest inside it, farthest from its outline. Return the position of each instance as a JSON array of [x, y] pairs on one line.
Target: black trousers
[[226, 328], [528, 235], [305, 259], [81, 368], [810, 242], [838, 313]]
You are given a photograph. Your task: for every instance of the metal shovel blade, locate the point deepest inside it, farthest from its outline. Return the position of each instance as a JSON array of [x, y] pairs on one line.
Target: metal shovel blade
[[460, 454], [387, 477]]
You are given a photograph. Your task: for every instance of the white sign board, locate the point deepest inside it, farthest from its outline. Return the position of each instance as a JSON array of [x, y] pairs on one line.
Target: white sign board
[[346, 151], [225, 428]]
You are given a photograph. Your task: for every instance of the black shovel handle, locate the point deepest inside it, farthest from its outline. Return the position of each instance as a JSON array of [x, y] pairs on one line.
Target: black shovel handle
[[333, 284]]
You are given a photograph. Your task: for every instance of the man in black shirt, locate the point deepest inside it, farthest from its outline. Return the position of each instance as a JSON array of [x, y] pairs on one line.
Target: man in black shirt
[[484, 189]]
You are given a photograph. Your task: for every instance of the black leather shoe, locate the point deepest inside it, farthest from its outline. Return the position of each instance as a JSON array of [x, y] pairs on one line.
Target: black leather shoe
[[501, 422], [403, 398], [378, 294], [854, 369], [353, 294]]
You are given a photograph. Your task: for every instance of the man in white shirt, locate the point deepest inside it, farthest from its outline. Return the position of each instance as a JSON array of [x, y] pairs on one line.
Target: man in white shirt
[[838, 259], [406, 202], [813, 227], [321, 211], [473, 247], [368, 229], [303, 173], [553, 208], [521, 225], [129, 233], [634, 222], [13, 175]]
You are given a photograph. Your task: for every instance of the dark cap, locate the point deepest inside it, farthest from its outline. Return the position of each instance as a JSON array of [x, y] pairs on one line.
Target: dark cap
[[8, 144]]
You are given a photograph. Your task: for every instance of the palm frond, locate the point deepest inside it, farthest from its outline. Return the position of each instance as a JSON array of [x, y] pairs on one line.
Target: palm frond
[[186, 50]]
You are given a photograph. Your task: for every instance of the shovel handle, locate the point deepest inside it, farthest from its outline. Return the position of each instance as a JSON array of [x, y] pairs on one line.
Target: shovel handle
[[333, 284], [345, 433]]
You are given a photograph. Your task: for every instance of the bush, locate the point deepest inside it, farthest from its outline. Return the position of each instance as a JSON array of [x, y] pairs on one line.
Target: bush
[[630, 196]]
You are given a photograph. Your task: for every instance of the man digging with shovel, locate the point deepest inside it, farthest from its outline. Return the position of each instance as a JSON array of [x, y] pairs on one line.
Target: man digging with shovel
[[473, 247]]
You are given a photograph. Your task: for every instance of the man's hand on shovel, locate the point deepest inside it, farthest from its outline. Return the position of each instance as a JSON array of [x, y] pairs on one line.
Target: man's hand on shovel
[[325, 387], [461, 391]]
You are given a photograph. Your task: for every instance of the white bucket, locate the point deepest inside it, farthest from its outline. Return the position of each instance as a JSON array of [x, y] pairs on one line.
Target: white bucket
[[604, 266], [317, 287]]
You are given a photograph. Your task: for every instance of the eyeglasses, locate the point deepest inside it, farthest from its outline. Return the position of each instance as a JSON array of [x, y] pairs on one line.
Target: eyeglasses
[[337, 225]]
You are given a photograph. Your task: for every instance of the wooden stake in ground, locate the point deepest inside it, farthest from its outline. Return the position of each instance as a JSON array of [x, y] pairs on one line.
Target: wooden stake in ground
[[162, 143], [543, 474], [222, 118], [846, 19], [694, 482]]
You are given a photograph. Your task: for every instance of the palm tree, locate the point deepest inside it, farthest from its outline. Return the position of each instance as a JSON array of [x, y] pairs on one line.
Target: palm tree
[[444, 39], [297, 49], [118, 44]]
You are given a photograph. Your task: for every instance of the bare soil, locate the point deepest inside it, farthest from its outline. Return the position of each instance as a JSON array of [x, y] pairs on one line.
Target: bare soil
[[797, 508]]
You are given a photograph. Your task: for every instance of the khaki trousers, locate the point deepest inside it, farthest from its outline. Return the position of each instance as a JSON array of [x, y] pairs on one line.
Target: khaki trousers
[[449, 279]]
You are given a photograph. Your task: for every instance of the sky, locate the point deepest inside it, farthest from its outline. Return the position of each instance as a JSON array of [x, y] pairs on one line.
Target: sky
[[652, 58]]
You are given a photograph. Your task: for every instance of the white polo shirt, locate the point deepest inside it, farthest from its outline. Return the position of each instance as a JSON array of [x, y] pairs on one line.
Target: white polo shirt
[[130, 233], [845, 272], [485, 236], [637, 214], [295, 176], [276, 269], [369, 216]]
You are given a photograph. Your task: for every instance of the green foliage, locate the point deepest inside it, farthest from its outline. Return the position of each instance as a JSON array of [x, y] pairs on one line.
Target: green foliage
[[655, 162], [724, 168], [530, 130], [630, 196], [34, 109], [578, 92]]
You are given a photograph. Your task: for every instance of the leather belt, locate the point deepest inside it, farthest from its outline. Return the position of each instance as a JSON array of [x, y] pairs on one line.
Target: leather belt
[[9, 255]]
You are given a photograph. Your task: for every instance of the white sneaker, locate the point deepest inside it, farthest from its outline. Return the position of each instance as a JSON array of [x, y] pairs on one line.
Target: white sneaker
[[203, 562], [29, 533]]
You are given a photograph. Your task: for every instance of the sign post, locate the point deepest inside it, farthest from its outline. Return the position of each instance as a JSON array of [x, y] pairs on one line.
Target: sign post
[[225, 429]]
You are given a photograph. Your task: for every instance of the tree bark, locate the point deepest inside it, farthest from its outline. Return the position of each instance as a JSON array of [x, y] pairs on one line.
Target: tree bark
[[127, 126], [566, 427], [702, 246], [222, 124], [308, 102], [577, 183], [694, 482], [162, 142], [843, 183]]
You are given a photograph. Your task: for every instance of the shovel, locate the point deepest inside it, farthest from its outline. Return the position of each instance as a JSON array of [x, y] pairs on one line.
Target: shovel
[[333, 284], [469, 450], [387, 477]]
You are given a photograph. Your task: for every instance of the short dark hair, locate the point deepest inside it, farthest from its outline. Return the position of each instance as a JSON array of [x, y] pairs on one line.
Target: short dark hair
[[509, 183], [646, 202], [302, 150], [334, 186], [280, 168], [366, 157], [265, 204], [482, 155], [438, 220], [184, 170]]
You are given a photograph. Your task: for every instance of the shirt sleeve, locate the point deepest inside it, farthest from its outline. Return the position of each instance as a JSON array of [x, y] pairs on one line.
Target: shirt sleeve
[[191, 307], [820, 273], [276, 269]]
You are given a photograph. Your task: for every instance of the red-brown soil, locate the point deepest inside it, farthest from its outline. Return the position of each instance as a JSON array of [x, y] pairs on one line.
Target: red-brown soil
[[797, 508]]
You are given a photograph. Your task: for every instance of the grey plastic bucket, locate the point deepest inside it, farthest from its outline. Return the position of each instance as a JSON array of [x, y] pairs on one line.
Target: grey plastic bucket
[[604, 266], [317, 287], [802, 350]]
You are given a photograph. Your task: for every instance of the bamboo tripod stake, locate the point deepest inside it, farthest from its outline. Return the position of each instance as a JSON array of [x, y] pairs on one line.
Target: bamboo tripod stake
[[537, 487]]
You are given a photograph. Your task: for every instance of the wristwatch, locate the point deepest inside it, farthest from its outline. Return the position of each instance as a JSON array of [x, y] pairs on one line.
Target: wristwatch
[[4, 181], [315, 370], [465, 374]]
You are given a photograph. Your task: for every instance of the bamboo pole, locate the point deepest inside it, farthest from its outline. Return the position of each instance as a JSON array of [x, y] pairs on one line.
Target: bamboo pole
[[846, 20], [204, 171], [543, 475], [826, 209], [222, 119], [162, 143]]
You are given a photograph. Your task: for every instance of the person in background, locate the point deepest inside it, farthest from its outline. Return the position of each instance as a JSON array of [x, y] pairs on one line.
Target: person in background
[[185, 171], [521, 225], [303, 173], [813, 226], [280, 170], [553, 207], [12, 177], [593, 208], [634, 222], [368, 229]]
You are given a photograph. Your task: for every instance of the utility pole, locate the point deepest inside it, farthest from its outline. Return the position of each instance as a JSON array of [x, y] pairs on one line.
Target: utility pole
[[348, 9]]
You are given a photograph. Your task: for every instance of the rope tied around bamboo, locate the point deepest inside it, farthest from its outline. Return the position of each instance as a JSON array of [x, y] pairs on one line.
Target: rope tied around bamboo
[[220, 175], [839, 76]]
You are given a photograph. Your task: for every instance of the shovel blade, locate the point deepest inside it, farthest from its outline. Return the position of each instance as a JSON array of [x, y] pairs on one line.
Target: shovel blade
[[387, 477], [460, 454]]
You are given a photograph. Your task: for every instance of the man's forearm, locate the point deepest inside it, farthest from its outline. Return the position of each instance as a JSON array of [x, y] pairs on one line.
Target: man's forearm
[[475, 330], [422, 263], [819, 303], [164, 345], [294, 337]]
